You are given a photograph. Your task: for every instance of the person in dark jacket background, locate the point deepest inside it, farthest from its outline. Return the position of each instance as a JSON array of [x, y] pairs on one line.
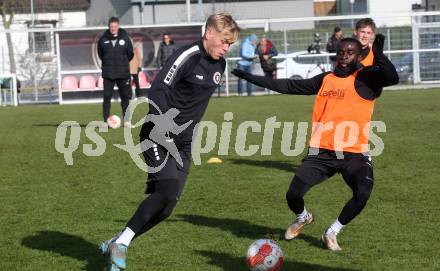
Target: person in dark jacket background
[[166, 49], [333, 44], [266, 51], [115, 51]]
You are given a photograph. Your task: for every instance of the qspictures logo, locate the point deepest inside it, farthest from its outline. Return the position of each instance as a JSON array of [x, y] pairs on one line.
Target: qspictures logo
[[159, 136], [209, 135]]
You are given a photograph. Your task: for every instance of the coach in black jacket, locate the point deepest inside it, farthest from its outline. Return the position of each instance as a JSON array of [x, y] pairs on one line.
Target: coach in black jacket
[[115, 51]]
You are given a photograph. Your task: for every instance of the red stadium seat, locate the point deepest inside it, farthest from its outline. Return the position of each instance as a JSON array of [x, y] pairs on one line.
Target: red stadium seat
[[87, 82], [69, 83], [101, 83], [143, 80]]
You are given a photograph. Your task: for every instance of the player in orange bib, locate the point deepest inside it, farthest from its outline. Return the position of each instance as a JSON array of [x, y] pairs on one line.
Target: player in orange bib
[[344, 101], [364, 33]]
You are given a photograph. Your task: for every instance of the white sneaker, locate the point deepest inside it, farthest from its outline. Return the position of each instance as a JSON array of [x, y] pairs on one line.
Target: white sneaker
[[104, 125], [329, 240], [297, 226]]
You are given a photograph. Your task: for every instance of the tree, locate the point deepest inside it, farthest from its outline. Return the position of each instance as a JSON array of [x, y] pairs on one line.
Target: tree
[[41, 71], [8, 8]]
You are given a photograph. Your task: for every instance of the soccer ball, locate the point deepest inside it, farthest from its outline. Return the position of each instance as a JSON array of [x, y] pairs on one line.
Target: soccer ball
[[114, 121], [265, 255]]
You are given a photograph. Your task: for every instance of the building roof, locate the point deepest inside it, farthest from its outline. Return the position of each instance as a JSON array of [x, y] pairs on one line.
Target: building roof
[[41, 6]]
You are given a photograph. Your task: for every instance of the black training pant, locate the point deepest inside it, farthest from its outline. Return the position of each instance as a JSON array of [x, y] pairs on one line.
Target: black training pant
[[165, 188], [136, 83], [124, 90], [356, 170]]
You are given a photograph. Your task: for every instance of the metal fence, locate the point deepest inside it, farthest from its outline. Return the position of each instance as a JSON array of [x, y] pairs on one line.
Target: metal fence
[[413, 45]]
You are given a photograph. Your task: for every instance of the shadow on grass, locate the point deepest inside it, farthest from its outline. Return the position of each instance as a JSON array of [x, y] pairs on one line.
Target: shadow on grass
[[67, 245], [238, 227], [56, 125], [281, 165], [313, 241], [232, 263], [243, 228]]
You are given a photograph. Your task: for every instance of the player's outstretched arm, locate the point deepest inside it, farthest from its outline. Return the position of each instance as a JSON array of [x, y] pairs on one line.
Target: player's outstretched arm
[[287, 86], [382, 73], [387, 73]]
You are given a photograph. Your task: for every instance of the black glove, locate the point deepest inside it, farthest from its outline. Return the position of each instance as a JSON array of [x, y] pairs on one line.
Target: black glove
[[379, 41], [240, 73]]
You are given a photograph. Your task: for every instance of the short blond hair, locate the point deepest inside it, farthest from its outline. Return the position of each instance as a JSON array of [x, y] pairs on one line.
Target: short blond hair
[[224, 23]]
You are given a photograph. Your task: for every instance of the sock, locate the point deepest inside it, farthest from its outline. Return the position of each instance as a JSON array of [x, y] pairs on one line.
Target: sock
[[125, 237], [304, 213], [336, 227], [113, 239]]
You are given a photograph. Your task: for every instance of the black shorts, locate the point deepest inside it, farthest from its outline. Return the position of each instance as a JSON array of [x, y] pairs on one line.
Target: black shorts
[[158, 157], [319, 167]]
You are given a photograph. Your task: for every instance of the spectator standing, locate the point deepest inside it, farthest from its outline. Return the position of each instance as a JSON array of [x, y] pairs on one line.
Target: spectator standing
[[266, 51], [166, 49], [333, 43], [136, 66], [247, 54]]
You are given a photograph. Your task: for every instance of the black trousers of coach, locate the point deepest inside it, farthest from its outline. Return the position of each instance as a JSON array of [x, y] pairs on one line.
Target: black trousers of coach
[[124, 89]]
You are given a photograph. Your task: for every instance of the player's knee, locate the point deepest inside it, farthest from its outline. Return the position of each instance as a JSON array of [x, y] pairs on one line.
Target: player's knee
[[167, 213], [362, 196], [297, 189], [169, 190], [125, 95], [169, 197], [168, 210], [363, 182], [292, 196], [125, 98]]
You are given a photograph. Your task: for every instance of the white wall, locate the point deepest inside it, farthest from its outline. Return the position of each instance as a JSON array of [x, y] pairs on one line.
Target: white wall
[[175, 13], [64, 19], [383, 7]]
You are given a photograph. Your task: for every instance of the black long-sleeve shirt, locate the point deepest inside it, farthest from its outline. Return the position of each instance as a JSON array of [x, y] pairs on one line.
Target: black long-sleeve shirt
[[368, 83], [186, 83]]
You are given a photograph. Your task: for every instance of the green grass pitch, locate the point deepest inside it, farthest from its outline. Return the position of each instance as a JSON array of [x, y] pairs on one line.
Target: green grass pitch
[[53, 216]]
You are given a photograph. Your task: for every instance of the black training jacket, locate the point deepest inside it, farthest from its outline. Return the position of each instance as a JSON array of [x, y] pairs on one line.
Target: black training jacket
[[186, 83], [115, 58]]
